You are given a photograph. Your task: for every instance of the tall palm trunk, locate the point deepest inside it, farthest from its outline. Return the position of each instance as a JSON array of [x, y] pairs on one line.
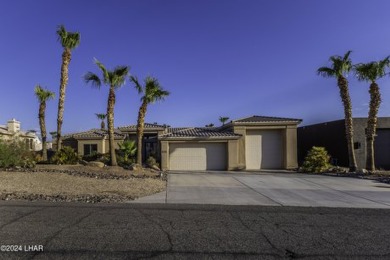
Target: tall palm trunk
[[66, 57], [375, 101], [140, 131], [345, 98], [110, 123], [42, 125]]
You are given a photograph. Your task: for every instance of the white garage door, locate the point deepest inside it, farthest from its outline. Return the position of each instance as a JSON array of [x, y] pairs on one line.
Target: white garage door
[[197, 156], [263, 149]]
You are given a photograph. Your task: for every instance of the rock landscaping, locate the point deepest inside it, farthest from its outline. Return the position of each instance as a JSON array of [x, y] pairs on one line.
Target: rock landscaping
[[79, 183]]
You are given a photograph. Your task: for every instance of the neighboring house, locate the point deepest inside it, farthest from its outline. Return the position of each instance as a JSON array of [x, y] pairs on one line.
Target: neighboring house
[[251, 143], [92, 141], [331, 135], [12, 131]]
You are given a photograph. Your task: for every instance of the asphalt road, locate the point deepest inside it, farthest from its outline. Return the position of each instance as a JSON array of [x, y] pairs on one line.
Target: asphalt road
[[80, 231]]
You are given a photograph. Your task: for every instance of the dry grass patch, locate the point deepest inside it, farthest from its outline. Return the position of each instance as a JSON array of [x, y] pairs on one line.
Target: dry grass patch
[[53, 184]]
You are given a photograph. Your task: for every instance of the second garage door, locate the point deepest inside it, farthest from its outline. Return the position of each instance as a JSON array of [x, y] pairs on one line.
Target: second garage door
[[263, 149], [197, 156]]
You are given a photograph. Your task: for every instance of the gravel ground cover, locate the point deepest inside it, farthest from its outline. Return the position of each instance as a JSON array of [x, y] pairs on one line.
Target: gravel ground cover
[[79, 183]]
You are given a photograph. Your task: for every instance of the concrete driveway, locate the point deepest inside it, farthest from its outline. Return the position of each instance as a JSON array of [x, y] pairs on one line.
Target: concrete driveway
[[272, 189]]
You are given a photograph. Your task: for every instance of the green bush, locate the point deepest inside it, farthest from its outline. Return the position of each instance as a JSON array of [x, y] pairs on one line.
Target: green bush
[[65, 156], [15, 153], [151, 161], [316, 160], [127, 150], [104, 158], [92, 157]]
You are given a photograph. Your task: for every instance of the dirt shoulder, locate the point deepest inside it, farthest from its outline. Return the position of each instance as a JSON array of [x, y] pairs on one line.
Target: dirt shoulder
[[79, 183]]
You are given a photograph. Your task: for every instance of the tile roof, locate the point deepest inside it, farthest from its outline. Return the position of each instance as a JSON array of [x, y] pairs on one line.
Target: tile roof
[[146, 126], [94, 133], [199, 132], [260, 119]]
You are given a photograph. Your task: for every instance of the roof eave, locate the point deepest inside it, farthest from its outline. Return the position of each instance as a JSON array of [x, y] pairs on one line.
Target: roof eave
[[186, 138]]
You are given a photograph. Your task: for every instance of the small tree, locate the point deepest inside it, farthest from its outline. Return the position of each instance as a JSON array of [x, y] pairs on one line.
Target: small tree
[[223, 119], [316, 160], [43, 95], [101, 117]]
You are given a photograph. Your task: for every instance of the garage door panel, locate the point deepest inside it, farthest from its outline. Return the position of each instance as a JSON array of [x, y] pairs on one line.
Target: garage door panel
[[264, 149], [197, 156]]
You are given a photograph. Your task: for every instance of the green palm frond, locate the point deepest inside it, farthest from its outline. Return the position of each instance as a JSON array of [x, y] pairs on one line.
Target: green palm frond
[[93, 78], [105, 72], [137, 86], [118, 76], [115, 78], [42, 94], [326, 72], [153, 91], [372, 71], [340, 66], [223, 119], [101, 116], [68, 39]]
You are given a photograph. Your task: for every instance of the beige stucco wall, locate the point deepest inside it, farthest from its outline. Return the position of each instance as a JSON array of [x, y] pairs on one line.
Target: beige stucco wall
[[80, 145], [164, 155], [291, 156], [234, 155], [107, 145]]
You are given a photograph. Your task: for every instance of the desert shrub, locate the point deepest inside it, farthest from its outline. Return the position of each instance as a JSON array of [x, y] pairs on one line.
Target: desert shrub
[[127, 150], [316, 160], [104, 158], [124, 162], [65, 156], [92, 157], [15, 153], [151, 161]]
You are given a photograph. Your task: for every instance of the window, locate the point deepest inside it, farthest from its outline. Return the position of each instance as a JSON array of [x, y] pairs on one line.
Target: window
[[90, 149]]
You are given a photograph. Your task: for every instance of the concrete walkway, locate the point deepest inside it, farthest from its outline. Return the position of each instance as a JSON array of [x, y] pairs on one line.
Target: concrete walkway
[[272, 189]]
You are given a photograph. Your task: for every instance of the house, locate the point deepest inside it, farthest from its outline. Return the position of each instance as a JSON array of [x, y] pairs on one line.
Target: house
[[250, 143], [12, 131], [331, 135], [92, 141]]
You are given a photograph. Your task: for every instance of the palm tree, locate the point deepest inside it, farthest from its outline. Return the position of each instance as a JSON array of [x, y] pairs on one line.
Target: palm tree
[[152, 92], [223, 119], [339, 69], [371, 72], [69, 41], [43, 95], [114, 79], [102, 117]]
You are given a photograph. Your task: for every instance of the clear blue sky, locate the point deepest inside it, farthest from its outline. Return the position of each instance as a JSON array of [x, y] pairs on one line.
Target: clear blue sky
[[218, 58]]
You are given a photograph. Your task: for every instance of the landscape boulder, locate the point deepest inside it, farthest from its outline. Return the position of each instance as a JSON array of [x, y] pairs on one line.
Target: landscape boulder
[[155, 167], [96, 164]]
